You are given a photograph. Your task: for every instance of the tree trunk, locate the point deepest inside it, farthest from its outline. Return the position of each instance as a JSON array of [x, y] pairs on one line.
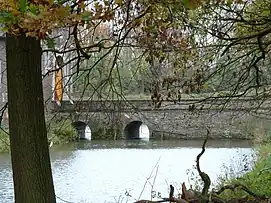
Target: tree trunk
[[31, 166]]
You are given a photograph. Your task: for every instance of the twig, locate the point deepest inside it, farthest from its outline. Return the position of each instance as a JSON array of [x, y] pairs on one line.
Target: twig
[[3, 109], [149, 178], [154, 179]]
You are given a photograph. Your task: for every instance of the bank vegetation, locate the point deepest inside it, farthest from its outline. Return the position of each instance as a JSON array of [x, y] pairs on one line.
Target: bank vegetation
[[58, 132]]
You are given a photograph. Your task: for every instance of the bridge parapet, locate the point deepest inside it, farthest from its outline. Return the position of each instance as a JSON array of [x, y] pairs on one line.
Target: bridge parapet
[[147, 105]]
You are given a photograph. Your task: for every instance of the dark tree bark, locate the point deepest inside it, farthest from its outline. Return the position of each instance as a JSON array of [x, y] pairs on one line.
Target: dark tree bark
[[31, 166]]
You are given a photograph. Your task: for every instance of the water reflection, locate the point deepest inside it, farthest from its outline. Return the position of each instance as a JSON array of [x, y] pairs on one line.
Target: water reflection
[[103, 171], [144, 132]]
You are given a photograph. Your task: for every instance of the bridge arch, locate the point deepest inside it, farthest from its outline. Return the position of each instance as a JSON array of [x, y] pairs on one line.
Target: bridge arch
[[136, 130], [83, 130]]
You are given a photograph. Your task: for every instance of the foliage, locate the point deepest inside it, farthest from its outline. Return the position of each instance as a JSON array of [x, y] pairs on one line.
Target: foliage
[[186, 47], [110, 35], [240, 42], [106, 133], [60, 132], [130, 76], [38, 18]]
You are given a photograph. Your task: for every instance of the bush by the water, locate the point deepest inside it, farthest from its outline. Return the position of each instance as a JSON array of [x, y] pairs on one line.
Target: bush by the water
[[257, 180], [60, 132]]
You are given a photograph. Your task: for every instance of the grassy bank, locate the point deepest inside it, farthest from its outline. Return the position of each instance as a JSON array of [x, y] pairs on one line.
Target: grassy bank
[[258, 180], [58, 132]]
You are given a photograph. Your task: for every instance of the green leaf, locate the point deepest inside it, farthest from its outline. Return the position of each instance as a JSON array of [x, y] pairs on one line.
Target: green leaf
[[7, 18], [23, 5], [51, 43], [229, 2], [119, 2], [33, 9], [86, 16]]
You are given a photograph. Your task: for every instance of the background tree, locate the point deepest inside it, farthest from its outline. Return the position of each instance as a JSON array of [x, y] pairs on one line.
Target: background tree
[[237, 47]]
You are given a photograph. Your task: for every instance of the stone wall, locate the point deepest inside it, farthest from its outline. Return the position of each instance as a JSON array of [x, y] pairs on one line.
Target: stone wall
[[192, 125]]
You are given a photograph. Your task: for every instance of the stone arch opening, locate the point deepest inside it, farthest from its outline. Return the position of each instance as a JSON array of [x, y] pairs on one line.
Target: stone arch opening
[[136, 130], [83, 130]]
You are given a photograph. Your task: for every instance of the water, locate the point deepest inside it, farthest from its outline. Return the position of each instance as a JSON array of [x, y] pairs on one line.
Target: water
[[111, 171]]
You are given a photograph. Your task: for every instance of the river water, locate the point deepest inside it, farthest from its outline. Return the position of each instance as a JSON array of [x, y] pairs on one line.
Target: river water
[[122, 171]]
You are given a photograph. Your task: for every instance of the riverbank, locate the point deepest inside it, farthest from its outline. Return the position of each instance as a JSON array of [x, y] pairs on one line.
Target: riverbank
[[257, 180], [245, 187]]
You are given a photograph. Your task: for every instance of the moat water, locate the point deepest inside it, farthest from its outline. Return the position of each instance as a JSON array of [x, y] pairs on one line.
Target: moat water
[[123, 171]]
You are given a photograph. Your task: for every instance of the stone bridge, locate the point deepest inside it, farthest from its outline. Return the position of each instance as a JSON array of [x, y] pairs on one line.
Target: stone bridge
[[186, 119]]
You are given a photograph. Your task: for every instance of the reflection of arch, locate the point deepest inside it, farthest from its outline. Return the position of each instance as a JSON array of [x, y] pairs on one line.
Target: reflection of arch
[[136, 130], [84, 131]]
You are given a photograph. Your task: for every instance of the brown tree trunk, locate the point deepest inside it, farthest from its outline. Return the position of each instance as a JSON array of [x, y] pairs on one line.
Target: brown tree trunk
[[31, 166]]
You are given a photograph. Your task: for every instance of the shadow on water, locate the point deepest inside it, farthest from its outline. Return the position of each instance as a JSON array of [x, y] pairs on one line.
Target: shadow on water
[[155, 144]]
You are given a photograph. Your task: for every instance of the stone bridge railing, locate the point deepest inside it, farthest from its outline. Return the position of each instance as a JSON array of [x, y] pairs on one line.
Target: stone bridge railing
[[147, 105]]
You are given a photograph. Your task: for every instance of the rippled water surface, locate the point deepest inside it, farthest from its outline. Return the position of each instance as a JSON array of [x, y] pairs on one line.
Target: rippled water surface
[[117, 171]]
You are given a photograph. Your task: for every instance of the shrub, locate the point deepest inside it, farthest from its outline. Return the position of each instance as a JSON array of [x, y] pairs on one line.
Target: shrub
[[60, 132]]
